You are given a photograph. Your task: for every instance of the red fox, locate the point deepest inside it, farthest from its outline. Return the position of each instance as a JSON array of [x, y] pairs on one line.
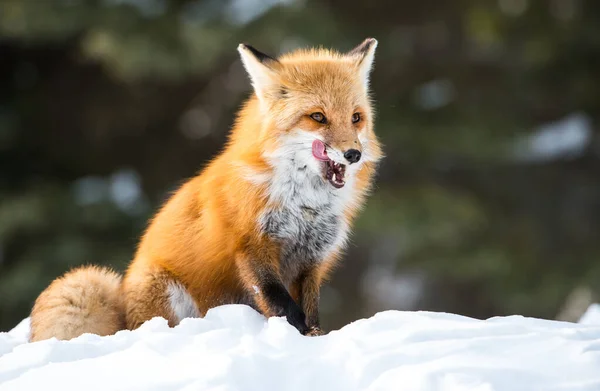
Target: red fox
[[263, 224]]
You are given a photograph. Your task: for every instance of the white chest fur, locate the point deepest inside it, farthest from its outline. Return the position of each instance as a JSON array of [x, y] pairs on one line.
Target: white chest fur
[[306, 216]]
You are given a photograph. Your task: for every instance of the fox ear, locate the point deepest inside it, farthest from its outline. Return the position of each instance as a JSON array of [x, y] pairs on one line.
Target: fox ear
[[260, 67], [363, 55]]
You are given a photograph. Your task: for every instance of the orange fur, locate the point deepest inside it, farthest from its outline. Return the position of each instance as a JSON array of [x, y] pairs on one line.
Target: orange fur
[[85, 300], [207, 247]]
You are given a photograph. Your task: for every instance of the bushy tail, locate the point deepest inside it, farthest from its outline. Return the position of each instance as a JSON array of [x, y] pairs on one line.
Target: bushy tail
[[85, 300]]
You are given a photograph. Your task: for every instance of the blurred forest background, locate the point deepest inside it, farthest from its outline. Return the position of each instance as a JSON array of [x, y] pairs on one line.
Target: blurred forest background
[[488, 202]]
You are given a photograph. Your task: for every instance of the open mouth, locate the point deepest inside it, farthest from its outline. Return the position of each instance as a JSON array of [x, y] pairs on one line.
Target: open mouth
[[332, 171]]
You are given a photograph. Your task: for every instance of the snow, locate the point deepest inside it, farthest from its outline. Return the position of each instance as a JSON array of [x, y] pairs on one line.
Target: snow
[[235, 348], [564, 139], [592, 315]]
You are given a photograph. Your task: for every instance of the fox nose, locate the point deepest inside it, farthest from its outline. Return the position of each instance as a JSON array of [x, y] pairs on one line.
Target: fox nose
[[352, 155]]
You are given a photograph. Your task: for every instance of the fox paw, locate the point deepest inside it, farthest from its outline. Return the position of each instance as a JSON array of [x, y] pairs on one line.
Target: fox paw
[[315, 332]]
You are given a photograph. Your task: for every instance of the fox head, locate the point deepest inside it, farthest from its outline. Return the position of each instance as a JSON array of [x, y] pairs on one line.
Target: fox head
[[315, 108]]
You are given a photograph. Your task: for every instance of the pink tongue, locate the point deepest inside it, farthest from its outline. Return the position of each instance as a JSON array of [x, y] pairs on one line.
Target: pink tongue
[[318, 150]]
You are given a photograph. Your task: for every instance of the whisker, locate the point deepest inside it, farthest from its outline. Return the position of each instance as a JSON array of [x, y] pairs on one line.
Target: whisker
[[329, 146]]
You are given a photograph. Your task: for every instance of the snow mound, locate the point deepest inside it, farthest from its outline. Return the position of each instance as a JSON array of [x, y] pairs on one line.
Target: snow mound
[[591, 316], [234, 348]]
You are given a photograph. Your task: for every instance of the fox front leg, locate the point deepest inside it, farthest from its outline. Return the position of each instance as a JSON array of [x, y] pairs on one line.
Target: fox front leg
[[306, 290], [272, 298]]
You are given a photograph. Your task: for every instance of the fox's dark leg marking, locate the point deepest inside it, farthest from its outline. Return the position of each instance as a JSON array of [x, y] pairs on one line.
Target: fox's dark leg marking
[[271, 295], [282, 304]]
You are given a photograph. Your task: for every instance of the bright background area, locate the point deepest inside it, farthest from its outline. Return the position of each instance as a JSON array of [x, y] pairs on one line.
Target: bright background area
[[488, 202]]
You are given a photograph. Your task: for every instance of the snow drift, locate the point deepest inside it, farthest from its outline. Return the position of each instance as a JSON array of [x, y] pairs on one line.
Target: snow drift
[[235, 348]]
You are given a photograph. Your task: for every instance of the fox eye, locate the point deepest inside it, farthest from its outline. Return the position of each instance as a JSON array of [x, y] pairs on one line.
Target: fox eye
[[356, 118], [319, 117]]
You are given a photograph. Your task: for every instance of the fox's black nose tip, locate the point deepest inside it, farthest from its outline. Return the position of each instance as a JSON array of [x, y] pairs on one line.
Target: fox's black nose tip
[[352, 155]]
